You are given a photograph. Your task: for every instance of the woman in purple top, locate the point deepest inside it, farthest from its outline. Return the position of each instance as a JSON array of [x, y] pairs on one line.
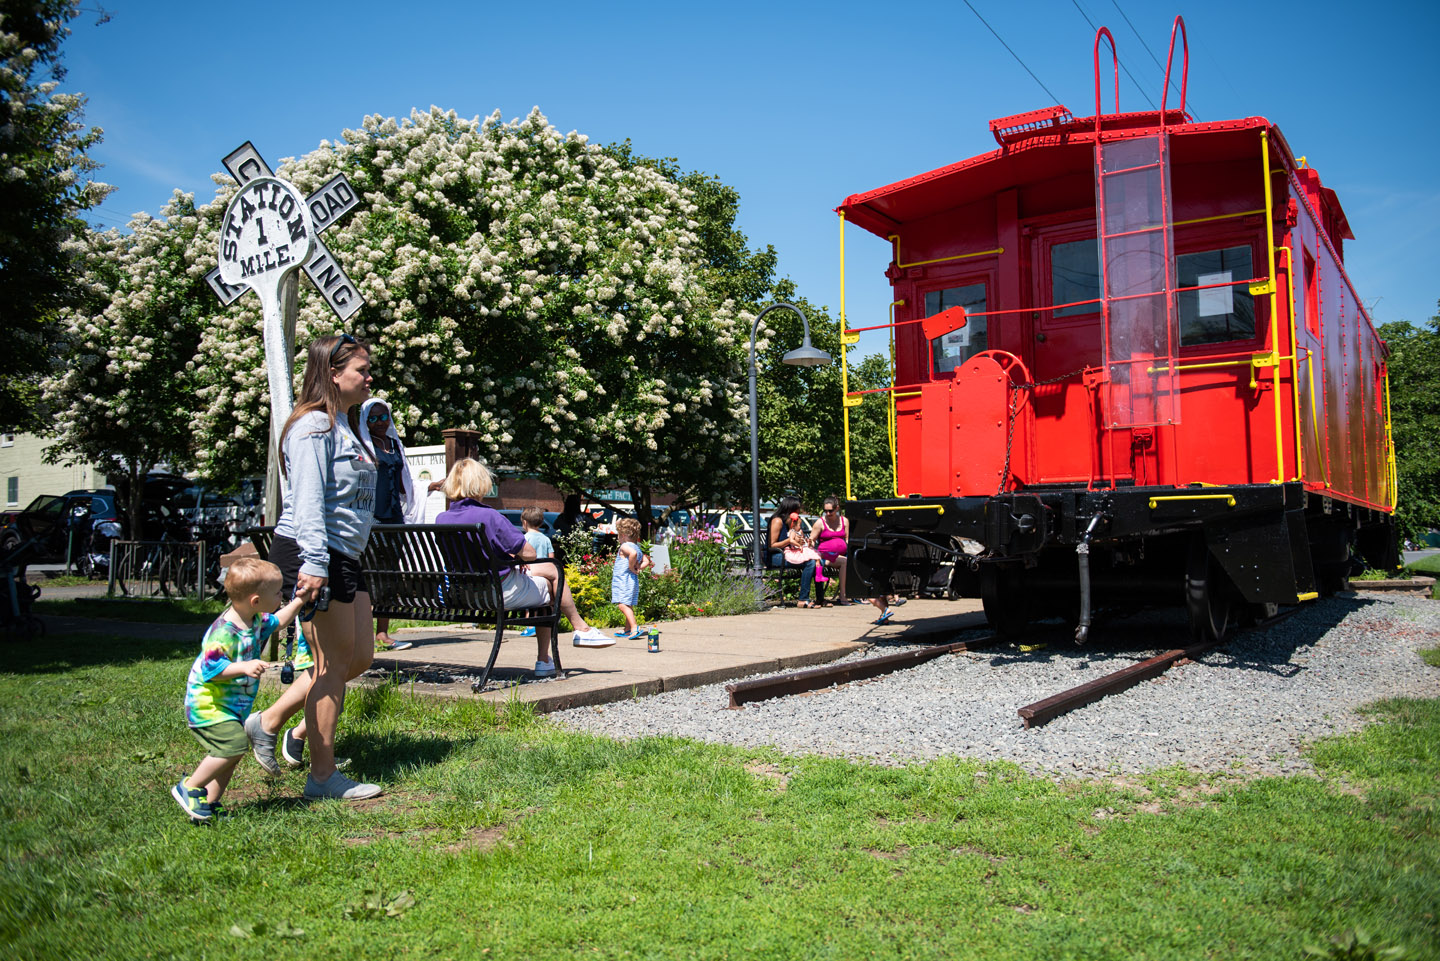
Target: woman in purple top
[[523, 587]]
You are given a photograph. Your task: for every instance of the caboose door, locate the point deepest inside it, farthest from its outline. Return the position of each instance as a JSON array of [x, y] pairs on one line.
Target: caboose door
[[1064, 341]]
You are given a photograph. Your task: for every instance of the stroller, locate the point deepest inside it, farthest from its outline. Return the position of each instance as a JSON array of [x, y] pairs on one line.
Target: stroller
[[18, 595]]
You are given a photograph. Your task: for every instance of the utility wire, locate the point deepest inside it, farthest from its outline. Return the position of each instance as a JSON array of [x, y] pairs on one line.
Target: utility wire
[[1012, 53], [1117, 57], [1152, 54]]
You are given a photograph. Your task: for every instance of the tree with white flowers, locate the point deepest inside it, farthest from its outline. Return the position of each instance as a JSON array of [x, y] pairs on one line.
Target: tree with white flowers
[[124, 398], [518, 282]]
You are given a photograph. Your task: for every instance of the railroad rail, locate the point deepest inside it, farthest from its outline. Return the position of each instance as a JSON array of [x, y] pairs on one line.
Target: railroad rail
[[1031, 715], [1034, 715], [798, 682]]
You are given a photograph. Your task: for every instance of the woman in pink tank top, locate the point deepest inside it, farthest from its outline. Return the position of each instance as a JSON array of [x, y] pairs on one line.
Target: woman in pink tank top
[[831, 535]]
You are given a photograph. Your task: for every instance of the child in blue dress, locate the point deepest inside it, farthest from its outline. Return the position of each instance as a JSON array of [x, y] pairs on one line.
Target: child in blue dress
[[630, 560]]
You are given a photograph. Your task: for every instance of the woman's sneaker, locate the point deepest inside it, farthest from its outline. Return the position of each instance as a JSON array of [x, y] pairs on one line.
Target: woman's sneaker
[[292, 749], [192, 801], [340, 787], [545, 669], [262, 745], [593, 638]]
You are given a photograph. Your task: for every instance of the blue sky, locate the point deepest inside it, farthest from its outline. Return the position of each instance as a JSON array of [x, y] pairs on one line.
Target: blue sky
[[797, 105]]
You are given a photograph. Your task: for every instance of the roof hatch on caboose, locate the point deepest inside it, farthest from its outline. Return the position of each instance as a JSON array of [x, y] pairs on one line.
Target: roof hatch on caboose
[[1128, 364]]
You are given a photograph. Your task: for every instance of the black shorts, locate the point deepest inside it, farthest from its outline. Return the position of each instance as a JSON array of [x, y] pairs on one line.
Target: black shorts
[[345, 580]]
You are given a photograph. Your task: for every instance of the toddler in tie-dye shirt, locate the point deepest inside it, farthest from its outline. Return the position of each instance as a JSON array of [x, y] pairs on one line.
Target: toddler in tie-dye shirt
[[224, 679]]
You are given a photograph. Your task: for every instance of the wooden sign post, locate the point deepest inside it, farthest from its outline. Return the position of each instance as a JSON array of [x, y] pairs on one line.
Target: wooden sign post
[[269, 232]]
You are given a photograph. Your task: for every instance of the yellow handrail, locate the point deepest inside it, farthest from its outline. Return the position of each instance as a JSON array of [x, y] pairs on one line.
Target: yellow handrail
[[1315, 422], [891, 425], [1393, 486], [1229, 499], [844, 378], [1294, 358], [1274, 305], [1205, 220], [912, 507], [895, 238]]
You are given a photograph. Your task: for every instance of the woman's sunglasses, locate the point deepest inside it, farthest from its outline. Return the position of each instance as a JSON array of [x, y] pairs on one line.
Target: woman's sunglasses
[[377, 417], [344, 339]]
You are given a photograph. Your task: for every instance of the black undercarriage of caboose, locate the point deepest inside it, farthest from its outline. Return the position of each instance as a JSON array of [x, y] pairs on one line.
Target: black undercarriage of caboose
[[1229, 554]]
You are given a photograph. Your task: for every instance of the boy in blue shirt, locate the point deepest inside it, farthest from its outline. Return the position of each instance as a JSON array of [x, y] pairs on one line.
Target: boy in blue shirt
[[530, 520], [225, 678]]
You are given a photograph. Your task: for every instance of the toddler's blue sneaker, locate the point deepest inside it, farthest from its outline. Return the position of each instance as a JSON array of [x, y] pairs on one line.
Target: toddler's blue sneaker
[[192, 801], [528, 632]]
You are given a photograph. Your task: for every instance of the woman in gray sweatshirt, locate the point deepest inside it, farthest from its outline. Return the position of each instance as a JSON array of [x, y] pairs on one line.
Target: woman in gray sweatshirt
[[329, 506]]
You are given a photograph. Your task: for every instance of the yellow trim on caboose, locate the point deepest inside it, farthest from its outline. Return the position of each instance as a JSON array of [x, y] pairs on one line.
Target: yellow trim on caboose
[[1307, 596], [1229, 499], [912, 507], [1206, 220], [895, 239]]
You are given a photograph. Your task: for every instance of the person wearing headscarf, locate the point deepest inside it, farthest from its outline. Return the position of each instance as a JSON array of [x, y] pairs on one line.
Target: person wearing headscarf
[[395, 500]]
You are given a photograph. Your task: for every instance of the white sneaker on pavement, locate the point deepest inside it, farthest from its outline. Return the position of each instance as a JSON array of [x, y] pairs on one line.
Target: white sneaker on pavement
[[593, 638], [545, 669]]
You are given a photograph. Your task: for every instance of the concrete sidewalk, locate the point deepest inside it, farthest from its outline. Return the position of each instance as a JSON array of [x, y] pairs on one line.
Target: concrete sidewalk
[[692, 652]]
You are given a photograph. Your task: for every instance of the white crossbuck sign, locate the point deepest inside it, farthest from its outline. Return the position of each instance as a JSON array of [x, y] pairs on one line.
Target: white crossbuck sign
[[268, 232]]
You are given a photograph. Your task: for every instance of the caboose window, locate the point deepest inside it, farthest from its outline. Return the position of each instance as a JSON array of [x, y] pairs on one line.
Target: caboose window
[[1215, 314], [953, 349], [1075, 276]]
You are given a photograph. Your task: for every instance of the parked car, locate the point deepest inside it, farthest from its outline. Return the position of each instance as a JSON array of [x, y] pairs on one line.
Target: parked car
[[547, 526], [57, 523]]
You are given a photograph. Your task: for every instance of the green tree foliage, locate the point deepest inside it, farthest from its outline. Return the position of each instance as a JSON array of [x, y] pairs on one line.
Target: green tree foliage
[[1414, 366], [44, 185], [801, 421]]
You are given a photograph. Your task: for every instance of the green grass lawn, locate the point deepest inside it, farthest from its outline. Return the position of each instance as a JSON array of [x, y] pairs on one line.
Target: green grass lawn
[[1427, 566], [149, 610], [516, 839]]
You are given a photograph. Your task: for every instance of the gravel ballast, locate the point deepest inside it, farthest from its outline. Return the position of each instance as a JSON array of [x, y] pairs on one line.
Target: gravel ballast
[[1248, 707]]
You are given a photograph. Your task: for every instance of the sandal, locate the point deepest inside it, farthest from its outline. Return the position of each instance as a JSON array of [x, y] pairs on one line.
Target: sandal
[[885, 618]]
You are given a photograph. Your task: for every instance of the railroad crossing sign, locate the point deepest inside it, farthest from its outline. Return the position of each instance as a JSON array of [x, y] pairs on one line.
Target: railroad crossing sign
[[269, 232]]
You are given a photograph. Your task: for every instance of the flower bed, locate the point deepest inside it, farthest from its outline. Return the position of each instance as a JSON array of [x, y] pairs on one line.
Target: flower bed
[[698, 584]]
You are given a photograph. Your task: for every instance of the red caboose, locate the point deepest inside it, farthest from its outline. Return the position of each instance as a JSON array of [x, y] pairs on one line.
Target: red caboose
[[1129, 368]]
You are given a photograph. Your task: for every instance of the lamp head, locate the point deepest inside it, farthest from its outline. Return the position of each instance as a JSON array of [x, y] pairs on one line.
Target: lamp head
[[807, 356]]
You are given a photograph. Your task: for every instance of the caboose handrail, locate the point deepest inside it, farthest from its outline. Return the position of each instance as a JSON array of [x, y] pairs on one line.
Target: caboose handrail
[[1115, 56], [1169, 62]]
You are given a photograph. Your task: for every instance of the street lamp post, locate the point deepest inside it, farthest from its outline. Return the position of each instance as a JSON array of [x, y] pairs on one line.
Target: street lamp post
[[803, 356]]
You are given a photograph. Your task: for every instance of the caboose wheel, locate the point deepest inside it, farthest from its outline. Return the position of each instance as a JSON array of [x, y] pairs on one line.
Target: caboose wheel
[[1001, 597], [1208, 597]]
